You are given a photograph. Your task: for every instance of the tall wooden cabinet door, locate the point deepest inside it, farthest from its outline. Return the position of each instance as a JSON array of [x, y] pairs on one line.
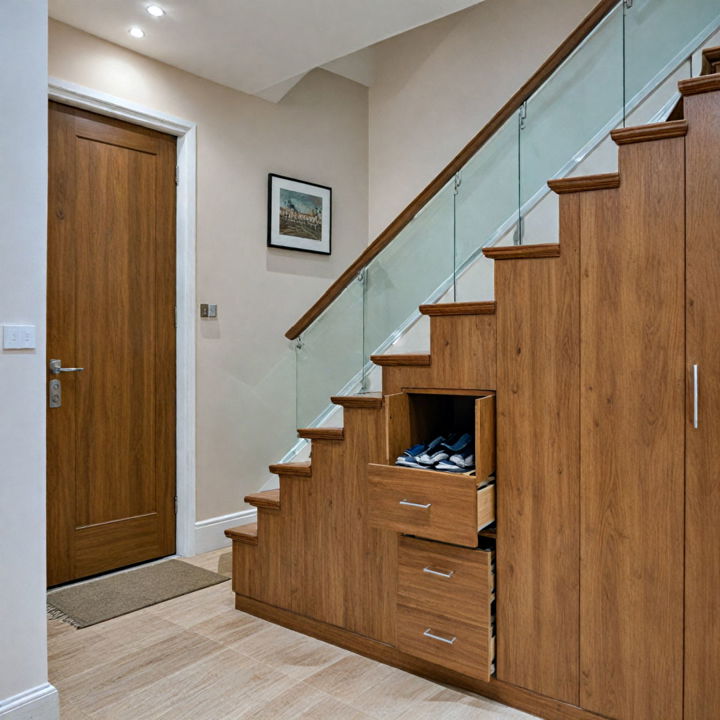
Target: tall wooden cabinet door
[[632, 423], [702, 573]]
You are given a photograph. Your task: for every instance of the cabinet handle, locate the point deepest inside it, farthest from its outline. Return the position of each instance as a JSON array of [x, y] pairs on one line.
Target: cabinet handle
[[415, 505], [429, 634], [430, 571], [696, 400]]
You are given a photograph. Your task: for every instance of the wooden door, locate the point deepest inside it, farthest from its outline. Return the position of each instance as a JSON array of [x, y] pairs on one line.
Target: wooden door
[[632, 417], [111, 298], [702, 571]]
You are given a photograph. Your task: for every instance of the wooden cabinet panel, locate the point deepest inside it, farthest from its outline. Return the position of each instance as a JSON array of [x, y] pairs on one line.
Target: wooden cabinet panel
[[538, 467], [632, 437], [702, 536], [445, 579]]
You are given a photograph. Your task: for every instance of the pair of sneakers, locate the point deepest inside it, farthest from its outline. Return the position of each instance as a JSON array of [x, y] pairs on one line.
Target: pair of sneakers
[[454, 454]]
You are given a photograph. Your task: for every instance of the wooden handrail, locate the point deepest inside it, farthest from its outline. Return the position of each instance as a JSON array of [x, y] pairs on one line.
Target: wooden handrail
[[404, 218]]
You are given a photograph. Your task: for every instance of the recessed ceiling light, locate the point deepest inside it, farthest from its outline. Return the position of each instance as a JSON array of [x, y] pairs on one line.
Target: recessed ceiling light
[[137, 32], [155, 10]]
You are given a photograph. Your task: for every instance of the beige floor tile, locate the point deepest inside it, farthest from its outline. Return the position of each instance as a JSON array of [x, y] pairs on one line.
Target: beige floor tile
[[395, 694], [230, 627], [209, 560]]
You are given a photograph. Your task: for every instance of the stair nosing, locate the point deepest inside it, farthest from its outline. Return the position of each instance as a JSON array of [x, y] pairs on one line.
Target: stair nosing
[[584, 183], [402, 360], [698, 85], [358, 402], [244, 534], [523, 252], [648, 133], [459, 308], [267, 500], [291, 469], [321, 433]]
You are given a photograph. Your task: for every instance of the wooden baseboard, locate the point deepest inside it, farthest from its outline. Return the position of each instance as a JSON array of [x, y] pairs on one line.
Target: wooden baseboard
[[495, 689]]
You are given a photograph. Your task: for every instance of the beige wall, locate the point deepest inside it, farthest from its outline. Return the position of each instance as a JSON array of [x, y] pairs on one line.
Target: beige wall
[[245, 376], [436, 86]]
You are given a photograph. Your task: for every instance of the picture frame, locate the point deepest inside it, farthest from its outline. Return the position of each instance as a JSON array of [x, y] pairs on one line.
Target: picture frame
[[299, 215]]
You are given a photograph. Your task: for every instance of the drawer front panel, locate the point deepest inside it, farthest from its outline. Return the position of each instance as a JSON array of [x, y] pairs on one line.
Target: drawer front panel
[[451, 581], [443, 641], [433, 505]]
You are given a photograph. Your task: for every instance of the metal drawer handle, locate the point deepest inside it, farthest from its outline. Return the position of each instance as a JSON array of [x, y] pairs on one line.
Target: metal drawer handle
[[429, 634], [696, 399], [430, 571], [417, 505]]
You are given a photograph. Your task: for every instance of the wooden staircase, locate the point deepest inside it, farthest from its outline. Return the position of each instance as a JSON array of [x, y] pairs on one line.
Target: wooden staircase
[[568, 346]]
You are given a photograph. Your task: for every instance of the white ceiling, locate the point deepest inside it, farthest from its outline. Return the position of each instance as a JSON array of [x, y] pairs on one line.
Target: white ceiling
[[261, 47]]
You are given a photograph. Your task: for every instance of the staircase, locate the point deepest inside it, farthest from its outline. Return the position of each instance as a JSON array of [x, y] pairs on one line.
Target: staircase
[[318, 562]]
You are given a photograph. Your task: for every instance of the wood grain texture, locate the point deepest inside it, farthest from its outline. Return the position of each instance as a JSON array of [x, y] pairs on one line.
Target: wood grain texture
[[522, 252], [244, 533], [510, 108], [702, 532], [452, 502], [293, 469], [632, 446], [111, 254], [538, 466], [459, 308], [485, 436], [321, 433], [406, 360], [372, 401], [585, 183], [519, 698], [648, 133], [465, 595]]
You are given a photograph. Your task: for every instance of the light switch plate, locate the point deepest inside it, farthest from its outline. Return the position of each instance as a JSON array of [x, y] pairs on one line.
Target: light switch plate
[[18, 337]]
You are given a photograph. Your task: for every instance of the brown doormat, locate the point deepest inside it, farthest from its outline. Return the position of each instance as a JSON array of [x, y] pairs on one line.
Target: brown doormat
[[89, 603]]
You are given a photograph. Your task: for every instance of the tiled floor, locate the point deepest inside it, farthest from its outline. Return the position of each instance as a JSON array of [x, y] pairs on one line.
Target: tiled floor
[[197, 658]]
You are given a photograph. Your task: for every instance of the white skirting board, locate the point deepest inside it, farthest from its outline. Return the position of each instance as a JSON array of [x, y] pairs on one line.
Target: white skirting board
[[38, 703], [210, 533]]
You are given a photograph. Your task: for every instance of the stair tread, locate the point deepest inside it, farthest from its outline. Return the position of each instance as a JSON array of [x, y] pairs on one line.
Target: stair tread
[[459, 308], [702, 84], [244, 533], [321, 433], [365, 400], [711, 56], [523, 252], [267, 499], [415, 359], [295, 469], [653, 131], [585, 183]]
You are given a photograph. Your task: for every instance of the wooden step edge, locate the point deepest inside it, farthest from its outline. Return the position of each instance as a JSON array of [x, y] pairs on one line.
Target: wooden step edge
[[321, 433], [648, 133], [585, 183], [522, 252], [409, 359], [371, 401], [698, 85], [247, 534], [298, 469], [710, 59], [458, 308], [267, 500], [678, 112]]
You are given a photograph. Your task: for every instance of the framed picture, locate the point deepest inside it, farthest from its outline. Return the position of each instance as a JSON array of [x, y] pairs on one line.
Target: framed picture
[[298, 215]]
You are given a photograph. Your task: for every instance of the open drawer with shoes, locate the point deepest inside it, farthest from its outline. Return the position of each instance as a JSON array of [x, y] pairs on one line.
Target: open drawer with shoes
[[427, 500]]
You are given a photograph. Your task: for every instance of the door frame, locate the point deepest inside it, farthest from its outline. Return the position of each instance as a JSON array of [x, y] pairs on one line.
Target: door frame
[[102, 103]]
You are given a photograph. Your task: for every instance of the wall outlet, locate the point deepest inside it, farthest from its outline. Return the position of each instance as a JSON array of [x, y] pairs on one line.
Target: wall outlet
[[18, 337]]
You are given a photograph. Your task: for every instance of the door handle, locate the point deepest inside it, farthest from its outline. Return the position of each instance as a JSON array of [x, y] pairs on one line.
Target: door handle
[[56, 368], [696, 397]]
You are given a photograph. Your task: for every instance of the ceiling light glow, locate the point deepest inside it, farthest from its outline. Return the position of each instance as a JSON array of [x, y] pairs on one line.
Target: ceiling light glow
[[155, 10], [137, 32]]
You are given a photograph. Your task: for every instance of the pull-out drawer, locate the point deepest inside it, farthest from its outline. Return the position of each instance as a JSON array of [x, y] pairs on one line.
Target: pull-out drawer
[[454, 644], [444, 579], [435, 505]]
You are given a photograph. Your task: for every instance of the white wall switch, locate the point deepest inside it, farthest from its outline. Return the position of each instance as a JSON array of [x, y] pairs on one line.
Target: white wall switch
[[18, 337]]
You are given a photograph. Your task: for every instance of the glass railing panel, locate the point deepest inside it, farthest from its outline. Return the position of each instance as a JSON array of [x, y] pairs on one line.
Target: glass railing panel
[[572, 112], [415, 268], [329, 356], [659, 35], [658, 104], [486, 209]]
